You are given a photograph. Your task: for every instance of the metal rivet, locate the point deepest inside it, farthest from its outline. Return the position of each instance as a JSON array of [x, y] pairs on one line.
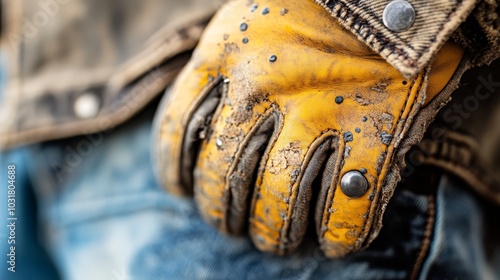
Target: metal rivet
[[282, 216], [386, 138], [243, 27], [260, 239], [273, 58], [245, 40], [218, 142], [339, 99], [354, 184], [86, 106], [265, 11], [398, 15], [254, 7], [357, 130], [283, 11], [363, 170], [364, 119], [348, 137]]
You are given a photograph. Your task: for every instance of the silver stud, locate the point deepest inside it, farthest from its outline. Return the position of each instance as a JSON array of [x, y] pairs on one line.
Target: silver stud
[[354, 184], [86, 106], [218, 142], [398, 16]]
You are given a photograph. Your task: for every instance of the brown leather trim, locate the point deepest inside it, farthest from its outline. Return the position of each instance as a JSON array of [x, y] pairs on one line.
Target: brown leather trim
[[426, 242]]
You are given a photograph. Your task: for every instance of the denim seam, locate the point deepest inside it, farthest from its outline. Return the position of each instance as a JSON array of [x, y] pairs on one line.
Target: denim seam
[[436, 246], [426, 241]]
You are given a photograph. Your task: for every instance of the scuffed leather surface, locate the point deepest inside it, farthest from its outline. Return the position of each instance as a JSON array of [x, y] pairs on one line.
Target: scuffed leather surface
[[289, 104]]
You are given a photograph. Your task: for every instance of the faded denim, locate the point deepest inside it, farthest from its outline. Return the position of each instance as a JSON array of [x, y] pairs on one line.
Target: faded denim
[[105, 217]]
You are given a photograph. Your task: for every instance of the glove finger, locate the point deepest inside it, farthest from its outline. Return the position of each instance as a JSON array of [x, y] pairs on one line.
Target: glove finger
[[284, 187], [181, 121], [243, 174], [228, 159], [347, 222]]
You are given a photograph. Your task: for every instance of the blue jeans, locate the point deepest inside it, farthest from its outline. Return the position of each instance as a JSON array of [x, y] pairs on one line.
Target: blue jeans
[[103, 216]]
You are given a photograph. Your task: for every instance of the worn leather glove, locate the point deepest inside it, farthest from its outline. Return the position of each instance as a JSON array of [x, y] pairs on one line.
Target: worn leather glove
[[283, 118]]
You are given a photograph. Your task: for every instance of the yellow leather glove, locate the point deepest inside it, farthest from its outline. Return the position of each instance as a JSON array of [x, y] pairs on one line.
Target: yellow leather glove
[[282, 115]]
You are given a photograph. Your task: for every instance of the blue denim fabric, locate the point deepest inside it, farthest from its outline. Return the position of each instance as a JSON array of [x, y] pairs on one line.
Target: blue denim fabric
[[31, 260], [105, 217]]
